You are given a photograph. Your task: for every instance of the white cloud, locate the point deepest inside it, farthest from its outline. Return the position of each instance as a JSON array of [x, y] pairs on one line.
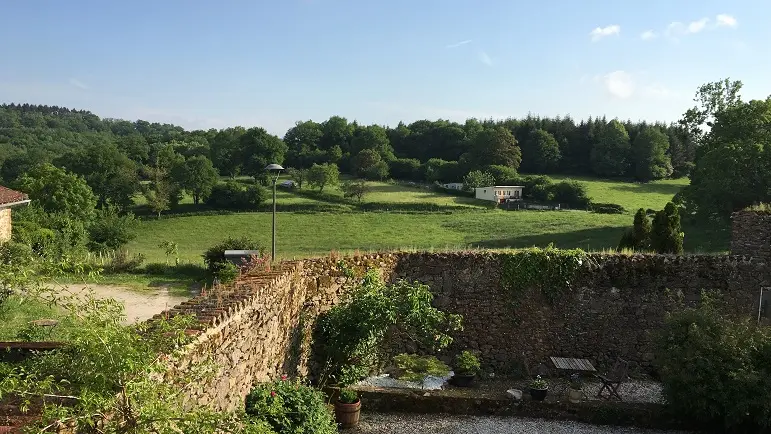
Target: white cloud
[[648, 34], [619, 83], [77, 83], [458, 44], [601, 32], [724, 20], [485, 58], [677, 28], [697, 26]]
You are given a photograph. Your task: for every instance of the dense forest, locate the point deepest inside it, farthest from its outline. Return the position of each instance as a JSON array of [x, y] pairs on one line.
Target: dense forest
[[423, 150]]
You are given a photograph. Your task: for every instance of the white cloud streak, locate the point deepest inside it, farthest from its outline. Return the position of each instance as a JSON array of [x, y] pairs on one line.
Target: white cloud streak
[[648, 35], [485, 58], [458, 44], [602, 32]]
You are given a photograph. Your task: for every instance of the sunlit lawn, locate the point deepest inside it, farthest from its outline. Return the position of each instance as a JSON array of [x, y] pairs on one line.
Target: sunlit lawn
[[313, 234]]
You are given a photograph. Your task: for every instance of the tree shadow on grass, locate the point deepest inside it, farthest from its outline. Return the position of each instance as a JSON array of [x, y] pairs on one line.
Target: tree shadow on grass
[[587, 239], [668, 189], [698, 239]]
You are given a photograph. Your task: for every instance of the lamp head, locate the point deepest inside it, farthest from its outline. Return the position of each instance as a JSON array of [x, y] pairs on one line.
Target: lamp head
[[272, 167]]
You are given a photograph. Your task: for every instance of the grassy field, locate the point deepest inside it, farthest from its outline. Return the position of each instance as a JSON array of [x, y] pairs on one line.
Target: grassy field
[[312, 234]]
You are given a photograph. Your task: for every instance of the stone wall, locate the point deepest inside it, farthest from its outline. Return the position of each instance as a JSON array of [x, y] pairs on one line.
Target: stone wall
[[258, 328], [610, 311], [5, 224], [751, 234]]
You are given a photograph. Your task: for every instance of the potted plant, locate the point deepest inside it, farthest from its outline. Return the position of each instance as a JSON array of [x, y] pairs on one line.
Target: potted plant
[[576, 392], [538, 388], [347, 408], [465, 369]]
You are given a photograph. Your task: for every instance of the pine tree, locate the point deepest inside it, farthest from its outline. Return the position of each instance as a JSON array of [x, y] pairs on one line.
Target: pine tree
[[641, 230]]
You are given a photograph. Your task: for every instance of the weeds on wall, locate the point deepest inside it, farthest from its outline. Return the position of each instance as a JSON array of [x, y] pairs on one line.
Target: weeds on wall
[[549, 269]]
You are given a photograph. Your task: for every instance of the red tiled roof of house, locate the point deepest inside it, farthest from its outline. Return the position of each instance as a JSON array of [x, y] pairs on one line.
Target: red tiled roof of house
[[10, 196]]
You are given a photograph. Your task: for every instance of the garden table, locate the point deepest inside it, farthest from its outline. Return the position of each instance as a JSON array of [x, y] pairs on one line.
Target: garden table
[[568, 365]]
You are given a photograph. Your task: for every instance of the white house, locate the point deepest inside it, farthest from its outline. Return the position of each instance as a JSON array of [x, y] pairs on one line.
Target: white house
[[499, 193], [454, 186]]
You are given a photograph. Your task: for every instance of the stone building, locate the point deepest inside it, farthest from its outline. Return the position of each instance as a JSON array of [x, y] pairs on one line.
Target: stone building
[[9, 198]]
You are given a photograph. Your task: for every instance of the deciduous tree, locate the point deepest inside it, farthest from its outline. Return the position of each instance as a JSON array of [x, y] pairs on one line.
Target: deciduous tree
[[610, 155], [651, 160], [322, 175], [197, 176]]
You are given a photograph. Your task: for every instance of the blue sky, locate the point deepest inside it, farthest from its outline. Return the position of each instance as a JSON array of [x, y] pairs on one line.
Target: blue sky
[[203, 64]]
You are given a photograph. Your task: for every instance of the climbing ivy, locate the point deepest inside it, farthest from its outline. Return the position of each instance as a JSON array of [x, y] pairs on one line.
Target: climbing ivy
[[549, 269]]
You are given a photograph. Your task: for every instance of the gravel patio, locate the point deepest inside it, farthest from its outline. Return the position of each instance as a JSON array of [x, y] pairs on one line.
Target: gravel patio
[[373, 423]]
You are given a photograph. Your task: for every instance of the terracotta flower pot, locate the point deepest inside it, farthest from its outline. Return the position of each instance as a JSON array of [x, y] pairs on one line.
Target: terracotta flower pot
[[347, 415]]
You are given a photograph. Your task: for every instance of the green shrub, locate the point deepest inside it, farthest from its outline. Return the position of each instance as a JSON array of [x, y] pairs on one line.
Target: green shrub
[[290, 406], [354, 337], [227, 272], [111, 230], [467, 363], [412, 367], [716, 370], [214, 257], [606, 208], [571, 193], [235, 196], [17, 254], [348, 396]]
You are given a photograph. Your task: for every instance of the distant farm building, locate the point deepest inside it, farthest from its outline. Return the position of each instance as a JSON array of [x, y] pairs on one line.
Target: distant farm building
[[499, 193]]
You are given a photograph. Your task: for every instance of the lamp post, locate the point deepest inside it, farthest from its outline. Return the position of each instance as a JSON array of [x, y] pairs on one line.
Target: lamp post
[[277, 169]]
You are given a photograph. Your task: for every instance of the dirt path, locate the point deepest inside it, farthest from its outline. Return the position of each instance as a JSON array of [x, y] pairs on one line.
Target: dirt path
[[139, 305]]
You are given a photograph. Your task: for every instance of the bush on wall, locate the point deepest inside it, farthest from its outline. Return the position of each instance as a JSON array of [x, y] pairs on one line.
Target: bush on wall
[[716, 370], [354, 337]]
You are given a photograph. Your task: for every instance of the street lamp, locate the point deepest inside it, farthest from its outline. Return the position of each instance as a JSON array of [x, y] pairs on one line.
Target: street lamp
[[277, 169]]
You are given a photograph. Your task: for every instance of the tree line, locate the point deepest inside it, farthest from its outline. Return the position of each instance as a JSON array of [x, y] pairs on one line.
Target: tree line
[[114, 155]]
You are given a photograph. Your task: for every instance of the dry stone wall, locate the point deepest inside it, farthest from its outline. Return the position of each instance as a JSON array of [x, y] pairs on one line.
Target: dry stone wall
[[610, 311], [259, 327], [751, 234]]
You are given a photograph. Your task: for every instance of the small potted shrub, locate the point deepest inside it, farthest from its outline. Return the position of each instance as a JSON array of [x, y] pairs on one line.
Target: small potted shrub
[[347, 408], [465, 369], [539, 388], [576, 392]]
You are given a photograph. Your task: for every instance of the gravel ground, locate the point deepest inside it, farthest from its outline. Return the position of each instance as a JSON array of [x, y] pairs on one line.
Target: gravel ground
[[139, 305], [403, 424]]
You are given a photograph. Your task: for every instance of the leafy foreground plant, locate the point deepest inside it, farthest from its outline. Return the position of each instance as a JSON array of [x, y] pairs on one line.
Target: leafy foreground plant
[[354, 337], [716, 370], [113, 374], [289, 406]]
